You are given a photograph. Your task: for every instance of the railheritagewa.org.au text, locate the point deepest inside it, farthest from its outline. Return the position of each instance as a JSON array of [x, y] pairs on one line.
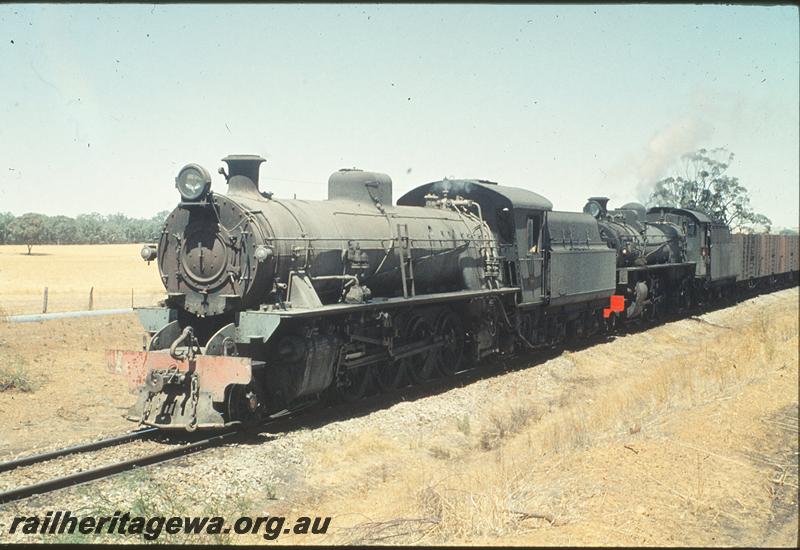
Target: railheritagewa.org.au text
[[151, 528]]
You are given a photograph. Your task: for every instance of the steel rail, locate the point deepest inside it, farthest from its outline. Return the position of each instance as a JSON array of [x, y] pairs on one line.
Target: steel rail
[[110, 469], [80, 448]]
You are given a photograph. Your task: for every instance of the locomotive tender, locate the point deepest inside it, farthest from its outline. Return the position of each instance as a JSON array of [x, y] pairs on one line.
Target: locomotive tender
[[273, 303]]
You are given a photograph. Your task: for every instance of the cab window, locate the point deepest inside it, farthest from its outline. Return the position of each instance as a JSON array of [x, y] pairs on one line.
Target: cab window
[[505, 225], [534, 227]]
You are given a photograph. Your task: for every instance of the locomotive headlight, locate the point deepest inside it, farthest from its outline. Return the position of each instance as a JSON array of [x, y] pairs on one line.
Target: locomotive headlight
[[193, 182], [149, 252]]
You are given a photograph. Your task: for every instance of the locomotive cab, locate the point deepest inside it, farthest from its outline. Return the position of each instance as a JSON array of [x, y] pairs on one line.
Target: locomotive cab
[[708, 243]]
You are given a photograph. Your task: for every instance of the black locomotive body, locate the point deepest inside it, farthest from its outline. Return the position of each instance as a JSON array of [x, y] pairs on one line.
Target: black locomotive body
[[274, 303]]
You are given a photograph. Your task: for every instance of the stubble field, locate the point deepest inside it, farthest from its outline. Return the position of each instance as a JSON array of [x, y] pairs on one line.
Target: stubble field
[[69, 272]]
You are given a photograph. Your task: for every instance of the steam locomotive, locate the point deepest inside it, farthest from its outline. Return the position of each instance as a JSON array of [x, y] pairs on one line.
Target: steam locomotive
[[273, 304]]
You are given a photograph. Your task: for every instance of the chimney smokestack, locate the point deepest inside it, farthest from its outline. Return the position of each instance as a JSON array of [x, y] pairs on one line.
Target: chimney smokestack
[[602, 201], [243, 174]]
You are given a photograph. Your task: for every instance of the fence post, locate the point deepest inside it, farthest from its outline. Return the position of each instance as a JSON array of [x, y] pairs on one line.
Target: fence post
[[44, 301], [131, 298], [91, 298]]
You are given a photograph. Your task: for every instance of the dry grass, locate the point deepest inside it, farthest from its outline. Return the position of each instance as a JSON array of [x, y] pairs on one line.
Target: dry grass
[[491, 501], [15, 376], [551, 472], [69, 271], [681, 381], [503, 424]]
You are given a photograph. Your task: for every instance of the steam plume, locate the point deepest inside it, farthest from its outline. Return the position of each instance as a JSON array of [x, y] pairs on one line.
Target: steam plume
[[666, 147]]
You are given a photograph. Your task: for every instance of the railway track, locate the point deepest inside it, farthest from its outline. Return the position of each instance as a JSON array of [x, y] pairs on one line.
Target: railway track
[[285, 420], [75, 449], [103, 471]]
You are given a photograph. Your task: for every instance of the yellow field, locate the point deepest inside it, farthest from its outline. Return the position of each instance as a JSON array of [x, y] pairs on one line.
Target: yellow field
[[69, 271]]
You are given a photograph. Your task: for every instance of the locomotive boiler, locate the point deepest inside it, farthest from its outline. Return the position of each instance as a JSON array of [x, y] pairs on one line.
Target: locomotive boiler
[[223, 253], [638, 242]]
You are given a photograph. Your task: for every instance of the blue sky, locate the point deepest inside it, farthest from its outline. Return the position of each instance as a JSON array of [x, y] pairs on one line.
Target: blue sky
[[100, 105]]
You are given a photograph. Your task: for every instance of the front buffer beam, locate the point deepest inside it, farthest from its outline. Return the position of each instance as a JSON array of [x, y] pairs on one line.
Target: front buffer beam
[[178, 393]]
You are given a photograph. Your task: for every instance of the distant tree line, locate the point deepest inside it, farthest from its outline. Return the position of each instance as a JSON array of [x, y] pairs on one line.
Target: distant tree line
[[32, 229]]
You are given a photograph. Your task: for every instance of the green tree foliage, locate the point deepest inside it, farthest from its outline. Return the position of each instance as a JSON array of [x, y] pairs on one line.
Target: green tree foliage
[[28, 229], [5, 219], [61, 229], [90, 228], [93, 228], [706, 186]]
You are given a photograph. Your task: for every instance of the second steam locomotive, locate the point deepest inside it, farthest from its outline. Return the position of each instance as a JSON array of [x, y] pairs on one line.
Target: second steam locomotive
[[272, 304]]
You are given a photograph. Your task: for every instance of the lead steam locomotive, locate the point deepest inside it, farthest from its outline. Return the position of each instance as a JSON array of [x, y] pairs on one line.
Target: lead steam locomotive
[[272, 303]]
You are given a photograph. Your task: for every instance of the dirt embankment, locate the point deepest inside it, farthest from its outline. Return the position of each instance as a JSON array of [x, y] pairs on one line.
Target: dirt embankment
[[685, 434], [68, 395]]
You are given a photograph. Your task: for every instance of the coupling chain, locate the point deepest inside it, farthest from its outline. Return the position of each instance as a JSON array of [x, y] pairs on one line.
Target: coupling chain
[[194, 395], [148, 403]]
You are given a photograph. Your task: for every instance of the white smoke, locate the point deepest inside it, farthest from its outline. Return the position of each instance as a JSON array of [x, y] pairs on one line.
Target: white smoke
[[453, 187], [666, 147]]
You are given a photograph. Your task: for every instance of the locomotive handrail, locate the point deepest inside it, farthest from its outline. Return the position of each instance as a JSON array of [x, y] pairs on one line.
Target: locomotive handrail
[[444, 243], [372, 239]]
